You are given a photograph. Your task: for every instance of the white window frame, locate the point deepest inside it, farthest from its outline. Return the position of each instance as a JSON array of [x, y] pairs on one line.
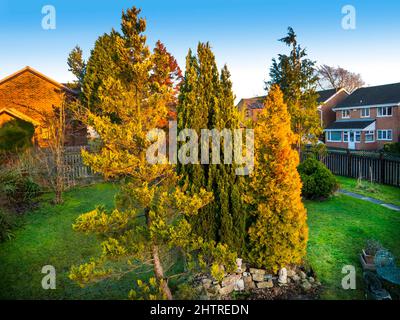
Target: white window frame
[[345, 136], [368, 133], [384, 112], [387, 134], [328, 138], [357, 133], [365, 109], [346, 114]]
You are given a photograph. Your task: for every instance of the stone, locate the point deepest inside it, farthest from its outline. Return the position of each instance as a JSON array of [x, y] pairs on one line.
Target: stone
[[258, 277], [282, 276], [214, 289], [306, 285], [257, 271], [311, 280], [296, 278], [248, 283], [303, 274], [206, 283], [227, 290], [291, 273], [232, 279], [265, 284], [246, 274], [239, 263], [239, 285]]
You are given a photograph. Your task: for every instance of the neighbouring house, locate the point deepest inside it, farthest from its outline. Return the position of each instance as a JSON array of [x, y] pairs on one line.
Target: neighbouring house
[[327, 99], [367, 119], [28, 94]]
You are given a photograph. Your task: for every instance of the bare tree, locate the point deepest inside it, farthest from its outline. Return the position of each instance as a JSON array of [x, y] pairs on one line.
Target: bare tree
[[337, 78]]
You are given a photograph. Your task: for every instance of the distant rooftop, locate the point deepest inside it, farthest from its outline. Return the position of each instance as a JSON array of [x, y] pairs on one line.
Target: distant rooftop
[[383, 94]]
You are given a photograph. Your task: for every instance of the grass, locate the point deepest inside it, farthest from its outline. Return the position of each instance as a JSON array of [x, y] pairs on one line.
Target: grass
[[385, 193], [338, 230]]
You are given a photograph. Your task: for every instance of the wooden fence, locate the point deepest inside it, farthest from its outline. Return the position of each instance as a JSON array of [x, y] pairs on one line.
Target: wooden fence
[[75, 171], [378, 166]]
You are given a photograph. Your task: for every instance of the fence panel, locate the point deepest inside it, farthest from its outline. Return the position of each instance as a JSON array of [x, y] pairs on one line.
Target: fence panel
[[376, 166]]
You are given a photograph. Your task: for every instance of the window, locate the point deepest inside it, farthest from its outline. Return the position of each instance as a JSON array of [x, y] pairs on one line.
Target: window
[[369, 136], [345, 136], [384, 111], [365, 113], [334, 136], [385, 134], [357, 135], [345, 114]]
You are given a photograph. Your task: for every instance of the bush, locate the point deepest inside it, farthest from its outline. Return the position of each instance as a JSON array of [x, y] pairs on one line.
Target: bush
[[17, 189], [16, 135], [392, 147], [318, 181], [7, 223]]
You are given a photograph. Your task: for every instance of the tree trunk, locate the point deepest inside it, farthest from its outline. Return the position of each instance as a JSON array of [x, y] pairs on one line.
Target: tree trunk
[[159, 272], [158, 269]]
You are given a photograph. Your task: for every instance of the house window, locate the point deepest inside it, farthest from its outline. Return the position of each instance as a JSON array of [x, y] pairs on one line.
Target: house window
[[335, 136], [384, 111], [357, 135], [369, 136], [345, 136], [345, 114], [385, 134], [365, 113]]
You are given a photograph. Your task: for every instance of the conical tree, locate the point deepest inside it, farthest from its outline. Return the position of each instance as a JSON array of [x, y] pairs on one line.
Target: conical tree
[[206, 101], [278, 233]]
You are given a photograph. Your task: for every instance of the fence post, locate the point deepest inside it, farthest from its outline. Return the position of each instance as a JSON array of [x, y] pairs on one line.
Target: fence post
[[348, 163], [383, 165]]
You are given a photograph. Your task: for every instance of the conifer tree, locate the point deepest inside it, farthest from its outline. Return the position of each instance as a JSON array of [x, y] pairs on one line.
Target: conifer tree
[[124, 102], [278, 232], [296, 76], [206, 101]]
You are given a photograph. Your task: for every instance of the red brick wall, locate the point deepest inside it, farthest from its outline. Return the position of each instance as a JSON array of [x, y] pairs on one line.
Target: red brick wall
[[328, 115], [31, 94]]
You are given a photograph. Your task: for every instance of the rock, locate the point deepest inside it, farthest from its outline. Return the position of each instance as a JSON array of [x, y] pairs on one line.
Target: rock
[[311, 280], [291, 273], [239, 263], [303, 274], [230, 280], [306, 285], [206, 283], [239, 285], [248, 283], [296, 278], [246, 274], [282, 276], [227, 290], [265, 284], [257, 271], [318, 283], [258, 277]]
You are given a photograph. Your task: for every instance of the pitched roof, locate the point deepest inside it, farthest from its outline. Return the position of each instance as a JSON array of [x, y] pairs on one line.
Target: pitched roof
[[360, 124], [384, 94], [19, 115], [39, 74], [258, 102]]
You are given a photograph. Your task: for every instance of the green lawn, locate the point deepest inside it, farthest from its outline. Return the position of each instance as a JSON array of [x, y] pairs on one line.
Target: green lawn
[[385, 193], [338, 228]]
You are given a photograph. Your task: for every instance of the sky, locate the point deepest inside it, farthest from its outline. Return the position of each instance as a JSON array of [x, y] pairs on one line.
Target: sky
[[243, 34]]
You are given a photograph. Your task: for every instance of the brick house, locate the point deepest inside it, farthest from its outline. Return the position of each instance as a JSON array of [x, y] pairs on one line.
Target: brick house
[[367, 119], [28, 94], [327, 99]]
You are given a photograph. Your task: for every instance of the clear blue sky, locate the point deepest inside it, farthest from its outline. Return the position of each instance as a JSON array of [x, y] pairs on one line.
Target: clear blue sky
[[243, 34]]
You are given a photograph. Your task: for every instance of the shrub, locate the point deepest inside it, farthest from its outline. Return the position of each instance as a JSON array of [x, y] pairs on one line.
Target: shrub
[[7, 223], [392, 147], [318, 181], [17, 189], [16, 135]]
